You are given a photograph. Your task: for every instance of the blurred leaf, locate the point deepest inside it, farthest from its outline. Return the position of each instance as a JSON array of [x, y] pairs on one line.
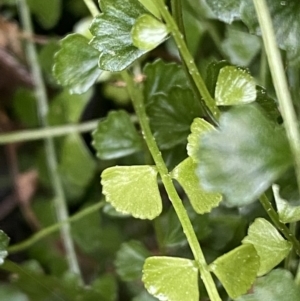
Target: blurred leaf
[[130, 260], [76, 64], [168, 231], [25, 107], [278, 285], [285, 21], [202, 201], [161, 77], [269, 244], [147, 32], [237, 269], [235, 86], [225, 10], [4, 241], [171, 116], [240, 47], [198, 128], [67, 108], [87, 232], [76, 165], [47, 12], [40, 287], [199, 8], [194, 29], [133, 190], [10, 293], [112, 33], [244, 157], [116, 137], [224, 229], [46, 59], [170, 278], [106, 288], [286, 212], [118, 94], [151, 7]]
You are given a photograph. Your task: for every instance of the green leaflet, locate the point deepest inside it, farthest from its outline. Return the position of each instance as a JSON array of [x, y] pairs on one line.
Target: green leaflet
[[234, 86], [130, 260], [271, 247], [116, 137], [237, 269], [47, 12], [202, 201], [112, 34], [161, 77], [198, 128], [171, 116], [76, 64], [133, 190], [170, 278]]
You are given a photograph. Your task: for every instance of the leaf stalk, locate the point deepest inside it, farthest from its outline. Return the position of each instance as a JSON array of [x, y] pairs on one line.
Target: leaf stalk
[[137, 100], [188, 59]]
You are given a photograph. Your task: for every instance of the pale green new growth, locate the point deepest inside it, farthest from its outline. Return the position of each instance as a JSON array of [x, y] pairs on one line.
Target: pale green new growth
[[235, 86], [171, 279], [133, 190], [147, 32], [198, 128]]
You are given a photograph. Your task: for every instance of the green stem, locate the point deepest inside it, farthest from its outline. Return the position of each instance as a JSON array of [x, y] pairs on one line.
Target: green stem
[[263, 72], [137, 100], [279, 81], [279, 225], [49, 132], [41, 96], [52, 229], [92, 7], [177, 14], [188, 59]]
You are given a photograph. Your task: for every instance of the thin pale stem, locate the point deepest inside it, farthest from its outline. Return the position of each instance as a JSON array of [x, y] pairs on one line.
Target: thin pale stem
[[188, 59], [49, 132], [41, 96], [92, 7], [137, 100], [279, 81], [52, 229]]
